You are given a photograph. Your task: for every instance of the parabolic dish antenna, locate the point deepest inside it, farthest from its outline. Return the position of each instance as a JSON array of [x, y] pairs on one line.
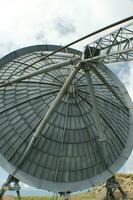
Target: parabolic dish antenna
[[66, 121], [67, 155]]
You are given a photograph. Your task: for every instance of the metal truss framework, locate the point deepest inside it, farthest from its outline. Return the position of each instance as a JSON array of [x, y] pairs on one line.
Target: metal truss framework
[[112, 185], [11, 184], [114, 47]]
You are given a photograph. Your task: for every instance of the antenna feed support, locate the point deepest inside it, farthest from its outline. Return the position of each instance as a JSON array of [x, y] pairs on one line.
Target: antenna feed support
[[86, 65], [73, 60], [78, 66]]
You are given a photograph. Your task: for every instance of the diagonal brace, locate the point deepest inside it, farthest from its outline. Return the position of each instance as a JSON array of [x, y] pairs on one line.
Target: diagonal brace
[[49, 113], [110, 88], [40, 71], [94, 103]]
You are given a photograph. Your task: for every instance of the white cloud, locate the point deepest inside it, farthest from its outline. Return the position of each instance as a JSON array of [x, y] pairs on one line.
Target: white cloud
[[23, 21], [128, 167], [64, 27], [125, 73]]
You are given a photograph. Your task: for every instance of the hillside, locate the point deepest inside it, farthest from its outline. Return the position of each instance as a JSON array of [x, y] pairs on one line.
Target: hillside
[[98, 193]]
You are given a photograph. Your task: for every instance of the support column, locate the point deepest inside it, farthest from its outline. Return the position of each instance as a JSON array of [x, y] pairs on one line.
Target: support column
[[112, 185], [98, 122], [11, 184], [65, 195], [94, 104]]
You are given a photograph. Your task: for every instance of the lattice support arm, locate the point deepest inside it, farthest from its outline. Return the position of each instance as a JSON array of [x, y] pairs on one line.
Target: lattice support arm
[[114, 47]]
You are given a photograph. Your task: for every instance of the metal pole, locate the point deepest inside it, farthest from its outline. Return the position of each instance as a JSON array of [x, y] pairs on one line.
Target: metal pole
[[6, 185], [18, 194], [50, 112], [101, 135], [64, 55], [2, 192], [110, 88], [40, 71], [112, 185], [89, 35], [94, 59], [95, 108], [3, 189]]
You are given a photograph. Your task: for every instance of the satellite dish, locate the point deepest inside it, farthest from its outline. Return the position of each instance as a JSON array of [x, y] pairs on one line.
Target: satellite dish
[[69, 154], [66, 120]]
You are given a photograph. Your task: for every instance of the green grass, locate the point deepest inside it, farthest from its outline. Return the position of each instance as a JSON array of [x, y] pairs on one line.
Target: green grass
[[82, 196], [34, 198]]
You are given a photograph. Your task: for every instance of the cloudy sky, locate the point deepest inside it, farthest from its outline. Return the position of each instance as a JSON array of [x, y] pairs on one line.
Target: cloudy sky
[[30, 22]]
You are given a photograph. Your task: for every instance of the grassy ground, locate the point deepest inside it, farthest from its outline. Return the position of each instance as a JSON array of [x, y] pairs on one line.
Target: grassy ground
[[98, 193], [84, 196], [34, 198]]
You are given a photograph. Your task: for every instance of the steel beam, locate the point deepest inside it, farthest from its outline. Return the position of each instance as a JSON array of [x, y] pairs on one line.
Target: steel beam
[[112, 57], [111, 186], [98, 121], [49, 113], [108, 86], [94, 104], [40, 71], [7, 186], [59, 54], [117, 46], [63, 137]]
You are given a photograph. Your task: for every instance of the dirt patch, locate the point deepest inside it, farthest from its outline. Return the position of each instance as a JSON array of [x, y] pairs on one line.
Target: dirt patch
[[126, 182], [8, 198]]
